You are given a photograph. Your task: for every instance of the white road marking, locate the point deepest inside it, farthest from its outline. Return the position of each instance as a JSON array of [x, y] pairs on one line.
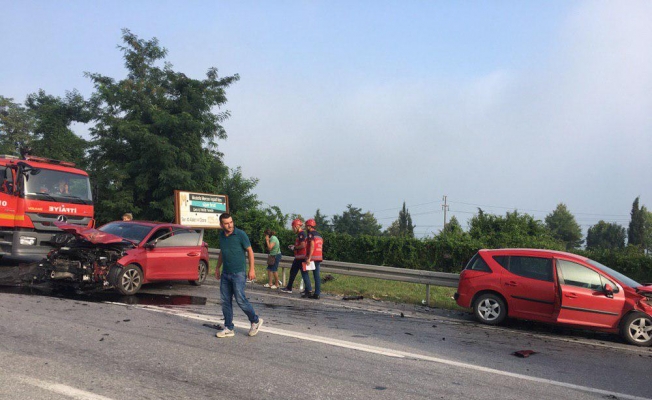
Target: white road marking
[[393, 353], [61, 389]]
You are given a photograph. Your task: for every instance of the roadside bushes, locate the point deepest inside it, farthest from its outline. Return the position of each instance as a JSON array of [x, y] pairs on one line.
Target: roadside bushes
[[443, 253]]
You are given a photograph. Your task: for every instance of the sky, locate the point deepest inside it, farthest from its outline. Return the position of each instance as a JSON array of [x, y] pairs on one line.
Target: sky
[[500, 105]]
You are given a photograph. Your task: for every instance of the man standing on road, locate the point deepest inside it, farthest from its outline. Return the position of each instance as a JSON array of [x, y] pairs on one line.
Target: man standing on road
[[299, 248], [233, 245], [315, 248]]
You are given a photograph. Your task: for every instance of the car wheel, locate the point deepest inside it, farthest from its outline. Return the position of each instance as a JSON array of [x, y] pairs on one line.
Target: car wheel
[[637, 329], [203, 272], [130, 279], [489, 309]]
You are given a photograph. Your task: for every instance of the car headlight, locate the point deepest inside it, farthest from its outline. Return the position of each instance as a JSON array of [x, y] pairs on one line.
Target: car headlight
[[27, 241]]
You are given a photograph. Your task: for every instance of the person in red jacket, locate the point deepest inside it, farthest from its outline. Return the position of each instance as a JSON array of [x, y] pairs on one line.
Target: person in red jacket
[[300, 247], [315, 254]]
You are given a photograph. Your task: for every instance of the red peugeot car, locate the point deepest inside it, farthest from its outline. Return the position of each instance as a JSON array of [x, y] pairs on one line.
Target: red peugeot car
[[126, 254], [555, 287]]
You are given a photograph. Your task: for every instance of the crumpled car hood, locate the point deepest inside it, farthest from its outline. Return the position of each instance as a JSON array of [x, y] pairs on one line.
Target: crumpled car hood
[[645, 289], [89, 234]]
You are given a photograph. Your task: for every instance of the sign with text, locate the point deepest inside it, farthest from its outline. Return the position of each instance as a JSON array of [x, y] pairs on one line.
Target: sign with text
[[199, 210]]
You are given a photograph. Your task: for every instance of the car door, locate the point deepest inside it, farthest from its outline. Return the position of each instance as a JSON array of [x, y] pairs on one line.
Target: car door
[[176, 255], [529, 286], [155, 266], [583, 299]]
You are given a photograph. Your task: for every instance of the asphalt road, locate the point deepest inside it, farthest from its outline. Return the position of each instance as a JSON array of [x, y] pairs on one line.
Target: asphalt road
[[162, 345]]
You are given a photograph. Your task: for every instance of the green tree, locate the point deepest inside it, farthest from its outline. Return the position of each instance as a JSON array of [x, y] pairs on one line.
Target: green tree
[[563, 226], [512, 230], [240, 191], [16, 126], [636, 230], [453, 227], [323, 224], [354, 222], [606, 235], [403, 225], [156, 132], [53, 118]]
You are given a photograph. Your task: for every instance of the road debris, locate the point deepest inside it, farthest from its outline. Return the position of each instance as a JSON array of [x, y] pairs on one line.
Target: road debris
[[214, 326], [523, 353], [352, 297]]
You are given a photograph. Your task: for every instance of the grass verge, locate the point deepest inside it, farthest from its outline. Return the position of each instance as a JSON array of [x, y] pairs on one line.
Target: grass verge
[[376, 289]]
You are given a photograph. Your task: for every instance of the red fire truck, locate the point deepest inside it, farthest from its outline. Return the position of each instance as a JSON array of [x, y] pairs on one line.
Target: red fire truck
[[35, 192]]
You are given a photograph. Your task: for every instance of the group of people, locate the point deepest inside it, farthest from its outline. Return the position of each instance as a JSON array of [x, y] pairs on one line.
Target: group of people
[[235, 246]]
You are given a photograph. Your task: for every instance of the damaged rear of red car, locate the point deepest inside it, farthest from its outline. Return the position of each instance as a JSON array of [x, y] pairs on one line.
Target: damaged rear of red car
[[556, 287], [125, 255]]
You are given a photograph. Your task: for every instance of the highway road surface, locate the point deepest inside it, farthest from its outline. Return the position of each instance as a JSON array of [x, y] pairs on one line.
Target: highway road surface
[[161, 344]]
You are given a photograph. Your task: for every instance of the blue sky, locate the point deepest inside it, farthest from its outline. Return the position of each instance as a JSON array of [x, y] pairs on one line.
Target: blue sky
[[497, 104]]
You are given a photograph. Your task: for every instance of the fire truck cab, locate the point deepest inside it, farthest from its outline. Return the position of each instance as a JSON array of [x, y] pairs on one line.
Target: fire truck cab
[[34, 193]]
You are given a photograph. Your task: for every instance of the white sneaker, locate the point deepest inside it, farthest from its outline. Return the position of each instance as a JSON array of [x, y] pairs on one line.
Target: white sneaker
[[267, 285], [226, 332], [273, 287], [255, 326]]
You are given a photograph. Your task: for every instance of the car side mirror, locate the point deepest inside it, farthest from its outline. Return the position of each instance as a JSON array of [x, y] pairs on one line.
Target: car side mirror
[[150, 246], [608, 290]]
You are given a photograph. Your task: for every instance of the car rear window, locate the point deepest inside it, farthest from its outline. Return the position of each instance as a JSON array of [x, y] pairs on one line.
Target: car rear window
[[477, 263], [528, 267]]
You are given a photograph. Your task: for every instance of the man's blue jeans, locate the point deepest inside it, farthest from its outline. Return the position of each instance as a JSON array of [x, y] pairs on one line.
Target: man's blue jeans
[[294, 270], [234, 285]]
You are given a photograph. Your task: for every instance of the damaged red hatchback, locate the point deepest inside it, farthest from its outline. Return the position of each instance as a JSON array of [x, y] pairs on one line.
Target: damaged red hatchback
[[555, 287], [126, 254]]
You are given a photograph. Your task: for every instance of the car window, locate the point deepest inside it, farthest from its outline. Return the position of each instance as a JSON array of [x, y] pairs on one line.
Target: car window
[[159, 234], [531, 267], [574, 274], [185, 238], [477, 263], [127, 230], [503, 261]]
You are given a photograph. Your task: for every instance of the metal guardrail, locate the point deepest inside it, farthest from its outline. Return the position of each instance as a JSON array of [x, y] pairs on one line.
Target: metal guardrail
[[428, 278]]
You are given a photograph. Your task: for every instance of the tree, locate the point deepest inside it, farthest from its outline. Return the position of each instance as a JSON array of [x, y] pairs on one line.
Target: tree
[[323, 224], [354, 222], [240, 191], [637, 225], [53, 117], [563, 226], [605, 235], [453, 227], [403, 225], [512, 230], [16, 126], [156, 132]]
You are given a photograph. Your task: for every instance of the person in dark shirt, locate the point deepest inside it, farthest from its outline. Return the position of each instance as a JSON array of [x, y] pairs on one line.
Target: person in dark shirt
[[234, 243]]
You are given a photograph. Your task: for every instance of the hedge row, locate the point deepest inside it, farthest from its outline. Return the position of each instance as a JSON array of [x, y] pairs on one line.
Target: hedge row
[[444, 254]]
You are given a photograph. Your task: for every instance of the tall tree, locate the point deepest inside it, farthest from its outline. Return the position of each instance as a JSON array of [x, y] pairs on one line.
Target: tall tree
[[16, 126], [606, 235], [512, 230], [323, 224], [403, 225], [354, 222], [636, 230], [53, 116], [453, 227], [563, 226], [155, 132]]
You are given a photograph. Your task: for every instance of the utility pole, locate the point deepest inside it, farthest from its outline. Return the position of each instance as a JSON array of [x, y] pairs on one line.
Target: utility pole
[[445, 208]]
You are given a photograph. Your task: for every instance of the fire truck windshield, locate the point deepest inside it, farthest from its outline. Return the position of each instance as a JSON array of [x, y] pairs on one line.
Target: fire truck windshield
[[51, 185]]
